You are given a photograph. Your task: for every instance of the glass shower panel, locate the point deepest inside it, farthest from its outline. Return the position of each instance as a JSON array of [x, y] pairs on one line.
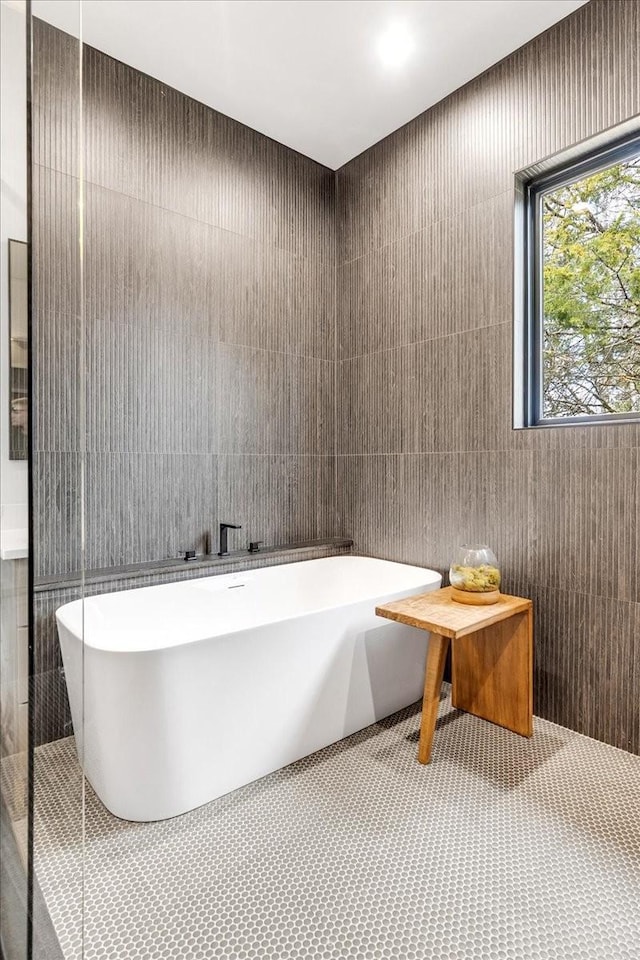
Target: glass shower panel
[[58, 465], [14, 611]]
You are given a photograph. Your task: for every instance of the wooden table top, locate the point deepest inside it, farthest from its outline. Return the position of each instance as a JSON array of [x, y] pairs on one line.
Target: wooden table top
[[436, 611]]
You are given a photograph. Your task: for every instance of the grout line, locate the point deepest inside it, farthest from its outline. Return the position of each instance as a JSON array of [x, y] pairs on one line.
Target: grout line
[[416, 343], [186, 216], [563, 451], [432, 223], [165, 328], [536, 451], [182, 453], [282, 353]]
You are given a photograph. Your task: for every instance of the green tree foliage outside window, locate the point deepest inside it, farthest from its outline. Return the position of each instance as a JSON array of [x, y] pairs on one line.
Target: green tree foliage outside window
[[591, 295]]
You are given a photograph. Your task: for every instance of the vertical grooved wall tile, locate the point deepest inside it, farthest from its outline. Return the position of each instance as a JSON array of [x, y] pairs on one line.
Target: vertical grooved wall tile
[[274, 403], [140, 505], [448, 278], [587, 530], [56, 251], [55, 88], [424, 349], [57, 512], [277, 499]]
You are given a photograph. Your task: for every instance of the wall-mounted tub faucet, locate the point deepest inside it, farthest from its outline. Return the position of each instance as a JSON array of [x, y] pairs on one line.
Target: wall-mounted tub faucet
[[223, 551]]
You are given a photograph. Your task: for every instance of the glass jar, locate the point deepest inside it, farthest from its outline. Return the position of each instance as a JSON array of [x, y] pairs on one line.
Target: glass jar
[[475, 574]]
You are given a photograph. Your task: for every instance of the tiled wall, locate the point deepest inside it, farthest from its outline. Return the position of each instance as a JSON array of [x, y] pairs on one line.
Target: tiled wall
[[424, 344], [196, 384]]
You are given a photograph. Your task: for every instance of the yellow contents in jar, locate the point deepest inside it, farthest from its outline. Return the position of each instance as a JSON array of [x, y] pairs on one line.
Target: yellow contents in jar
[[480, 579]]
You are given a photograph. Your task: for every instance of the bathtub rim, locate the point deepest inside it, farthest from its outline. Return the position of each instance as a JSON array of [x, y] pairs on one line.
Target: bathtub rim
[[432, 580]]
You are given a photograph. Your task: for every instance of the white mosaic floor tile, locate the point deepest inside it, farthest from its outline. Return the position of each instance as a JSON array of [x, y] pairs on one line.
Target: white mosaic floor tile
[[501, 849]]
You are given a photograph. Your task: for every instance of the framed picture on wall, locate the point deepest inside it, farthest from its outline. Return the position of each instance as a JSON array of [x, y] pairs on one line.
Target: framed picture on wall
[[18, 351]]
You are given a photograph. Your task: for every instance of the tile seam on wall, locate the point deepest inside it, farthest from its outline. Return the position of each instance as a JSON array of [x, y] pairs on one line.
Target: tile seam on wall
[[415, 343], [371, 251], [566, 591], [479, 451], [166, 327], [279, 353], [297, 456], [185, 216]]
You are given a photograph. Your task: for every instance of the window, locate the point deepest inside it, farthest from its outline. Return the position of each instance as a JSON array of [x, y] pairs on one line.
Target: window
[[581, 335]]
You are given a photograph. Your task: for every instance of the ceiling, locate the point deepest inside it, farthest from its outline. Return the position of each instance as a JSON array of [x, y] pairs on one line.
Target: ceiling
[[326, 77]]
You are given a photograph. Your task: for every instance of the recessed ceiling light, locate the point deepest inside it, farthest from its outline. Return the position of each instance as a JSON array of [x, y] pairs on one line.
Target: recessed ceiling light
[[396, 45]]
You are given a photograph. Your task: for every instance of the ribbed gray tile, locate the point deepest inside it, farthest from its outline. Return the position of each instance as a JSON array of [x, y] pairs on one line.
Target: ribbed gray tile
[[472, 378], [388, 399], [269, 298], [56, 248], [57, 512], [272, 403], [141, 506], [589, 61], [277, 499], [56, 97], [587, 667], [587, 522], [59, 388], [431, 283], [383, 194], [420, 508], [150, 390], [443, 394], [51, 712], [297, 201], [47, 655], [147, 266], [136, 135]]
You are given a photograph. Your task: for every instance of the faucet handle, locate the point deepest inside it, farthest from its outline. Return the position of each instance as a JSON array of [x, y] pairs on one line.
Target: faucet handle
[[254, 546]]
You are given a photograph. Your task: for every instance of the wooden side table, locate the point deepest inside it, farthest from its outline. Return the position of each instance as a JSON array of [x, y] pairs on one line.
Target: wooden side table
[[491, 658]]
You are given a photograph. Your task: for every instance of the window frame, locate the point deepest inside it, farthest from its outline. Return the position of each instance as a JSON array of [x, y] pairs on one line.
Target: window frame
[[532, 190]]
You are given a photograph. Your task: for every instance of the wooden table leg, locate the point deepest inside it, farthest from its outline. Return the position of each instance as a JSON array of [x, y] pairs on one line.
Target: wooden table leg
[[436, 657], [492, 673]]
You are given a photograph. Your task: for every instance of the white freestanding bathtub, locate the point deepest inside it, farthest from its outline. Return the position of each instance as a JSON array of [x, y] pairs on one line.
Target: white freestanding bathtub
[[183, 692]]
